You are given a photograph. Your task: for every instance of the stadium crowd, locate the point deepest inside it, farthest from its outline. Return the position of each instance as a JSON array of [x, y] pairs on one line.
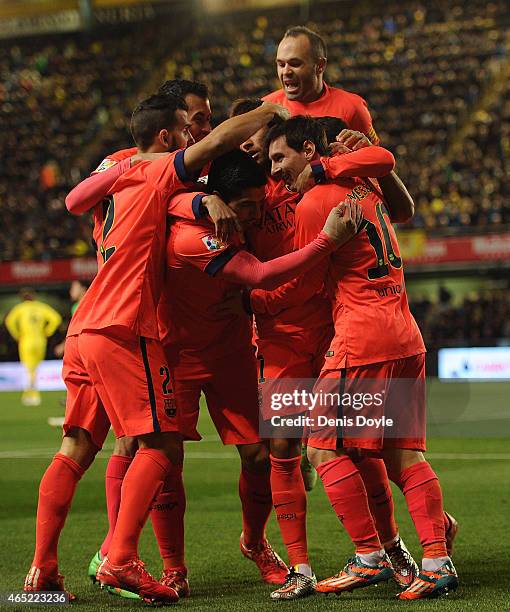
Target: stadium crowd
[[480, 319], [65, 101]]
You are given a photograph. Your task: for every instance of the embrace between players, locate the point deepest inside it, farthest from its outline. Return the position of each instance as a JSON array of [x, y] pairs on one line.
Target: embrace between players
[[281, 229]]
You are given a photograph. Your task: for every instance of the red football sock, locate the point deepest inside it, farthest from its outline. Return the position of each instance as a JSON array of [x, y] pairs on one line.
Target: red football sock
[[346, 491], [115, 472], [380, 499], [256, 502], [142, 483], [56, 493], [289, 499], [422, 491], [167, 516]]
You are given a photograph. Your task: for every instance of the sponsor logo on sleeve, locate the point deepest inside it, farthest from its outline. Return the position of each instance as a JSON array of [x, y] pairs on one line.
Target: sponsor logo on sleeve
[[105, 164]]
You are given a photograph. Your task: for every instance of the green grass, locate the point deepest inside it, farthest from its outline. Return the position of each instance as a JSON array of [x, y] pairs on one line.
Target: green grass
[[476, 491]]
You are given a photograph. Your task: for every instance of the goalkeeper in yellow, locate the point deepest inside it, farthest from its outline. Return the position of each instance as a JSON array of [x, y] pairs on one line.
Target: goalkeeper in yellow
[[31, 323]]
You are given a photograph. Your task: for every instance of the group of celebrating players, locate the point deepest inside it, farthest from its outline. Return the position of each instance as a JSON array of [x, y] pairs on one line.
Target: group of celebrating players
[[280, 215]]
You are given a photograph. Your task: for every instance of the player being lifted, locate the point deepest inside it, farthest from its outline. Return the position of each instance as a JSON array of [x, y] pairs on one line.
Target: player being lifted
[[31, 323], [378, 342], [114, 367]]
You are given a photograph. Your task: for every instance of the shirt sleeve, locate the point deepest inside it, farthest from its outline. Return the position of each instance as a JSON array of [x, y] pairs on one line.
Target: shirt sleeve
[[114, 158], [362, 121], [12, 323], [94, 189], [169, 174], [200, 248], [187, 205], [368, 162], [53, 320]]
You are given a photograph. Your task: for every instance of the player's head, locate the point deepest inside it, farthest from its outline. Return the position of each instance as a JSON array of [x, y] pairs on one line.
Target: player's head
[[300, 63], [77, 290], [332, 126], [240, 182], [160, 123], [254, 146], [293, 144], [27, 294], [196, 96]]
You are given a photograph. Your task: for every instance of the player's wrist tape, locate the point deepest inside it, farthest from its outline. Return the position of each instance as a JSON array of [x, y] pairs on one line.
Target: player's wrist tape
[[318, 172]]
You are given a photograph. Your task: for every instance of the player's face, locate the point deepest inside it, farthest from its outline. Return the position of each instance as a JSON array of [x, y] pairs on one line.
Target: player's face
[[299, 74], [247, 206], [199, 115], [76, 291], [179, 136], [254, 146], [286, 163]]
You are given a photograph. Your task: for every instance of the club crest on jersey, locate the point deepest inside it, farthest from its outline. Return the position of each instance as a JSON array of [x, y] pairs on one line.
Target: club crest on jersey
[[105, 164], [213, 243]]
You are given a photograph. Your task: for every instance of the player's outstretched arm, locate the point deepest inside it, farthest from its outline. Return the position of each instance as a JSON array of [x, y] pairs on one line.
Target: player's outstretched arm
[[245, 269], [94, 189], [367, 161], [397, 199], [229, 135]]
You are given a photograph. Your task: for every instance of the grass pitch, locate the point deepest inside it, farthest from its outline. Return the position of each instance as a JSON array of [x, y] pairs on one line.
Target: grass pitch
[[475, 475]]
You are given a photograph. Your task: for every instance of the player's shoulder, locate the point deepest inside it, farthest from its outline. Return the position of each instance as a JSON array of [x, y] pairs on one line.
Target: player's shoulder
[[346, 96], [277, 96], [114, 158], [324, 193], [189, 237]]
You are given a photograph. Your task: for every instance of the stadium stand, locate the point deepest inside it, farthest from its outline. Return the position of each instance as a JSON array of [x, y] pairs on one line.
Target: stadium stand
[[65, 101]]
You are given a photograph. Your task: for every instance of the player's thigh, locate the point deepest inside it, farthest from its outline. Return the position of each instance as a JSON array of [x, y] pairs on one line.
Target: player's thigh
[[285, 366], [233, 399], [32, 351], [188, 383], [133, 380], [406, 406], [84, 408]]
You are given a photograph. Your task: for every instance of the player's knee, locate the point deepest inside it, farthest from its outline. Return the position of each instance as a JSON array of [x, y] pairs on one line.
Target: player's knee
[[77, 444], [399, 459], [317, 456], [126, 446], [169, 443], [285, 448], [255, 457]]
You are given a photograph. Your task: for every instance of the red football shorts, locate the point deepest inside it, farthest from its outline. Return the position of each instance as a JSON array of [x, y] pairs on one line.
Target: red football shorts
[[117, 377], [290, 361], [231, 392], [375, 406]]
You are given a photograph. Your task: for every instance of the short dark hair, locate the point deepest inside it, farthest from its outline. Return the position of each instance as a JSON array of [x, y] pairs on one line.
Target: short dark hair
[[317, 43], [183, 87], [232, 173], [297, 130], [244, 105], [152, 115], [332, 126]]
